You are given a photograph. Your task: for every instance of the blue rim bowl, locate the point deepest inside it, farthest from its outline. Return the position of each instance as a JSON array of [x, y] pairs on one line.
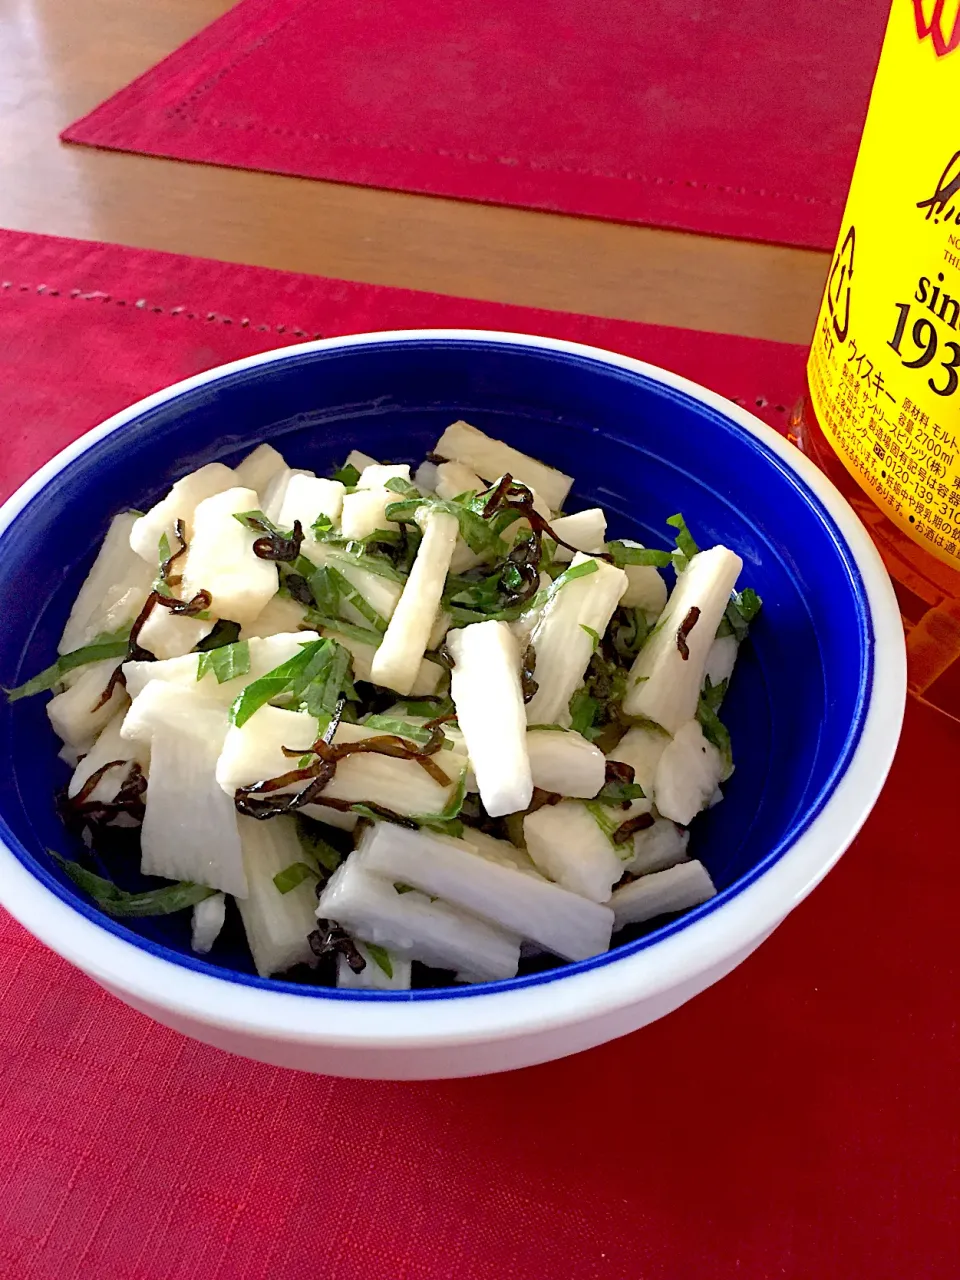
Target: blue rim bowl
[[814, 712]]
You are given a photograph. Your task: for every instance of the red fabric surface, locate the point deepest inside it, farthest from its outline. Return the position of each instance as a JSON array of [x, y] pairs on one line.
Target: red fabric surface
[[797, 1120], [738, 119]]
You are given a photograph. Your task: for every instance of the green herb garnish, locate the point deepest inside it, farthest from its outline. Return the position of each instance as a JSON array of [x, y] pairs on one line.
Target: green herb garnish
[[315, 845], [314, 678], [609, 823], [714, 730], [596, 703], [226, 662], [583, 713], [330, 586], [615, 793], [628, 630], [357, 552], [403, 729], [295, 874], [381, 957], [686, 544], [113, 645], [397, 484], [257, 522], [594, 635], [348, 475], [742, 608], [429, 708], [362, 635], [118, 902], [621, 554], [479, 534]]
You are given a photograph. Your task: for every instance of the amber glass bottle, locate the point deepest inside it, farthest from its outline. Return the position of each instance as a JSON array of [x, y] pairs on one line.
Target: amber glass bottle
[[882, 410]]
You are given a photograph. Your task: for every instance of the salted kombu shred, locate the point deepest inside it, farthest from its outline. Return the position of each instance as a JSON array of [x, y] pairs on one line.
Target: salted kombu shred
[[329, 938], [256, 801], [686, 626]]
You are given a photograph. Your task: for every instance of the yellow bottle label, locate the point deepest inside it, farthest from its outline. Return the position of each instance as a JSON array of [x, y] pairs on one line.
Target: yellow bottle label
[[884, 368]]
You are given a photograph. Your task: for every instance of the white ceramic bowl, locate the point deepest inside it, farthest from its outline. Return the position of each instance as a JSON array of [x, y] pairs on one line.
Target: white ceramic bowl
[[622, 418]]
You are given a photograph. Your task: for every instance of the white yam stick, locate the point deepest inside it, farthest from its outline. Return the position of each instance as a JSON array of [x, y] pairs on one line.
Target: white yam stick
[[397, 660], [486, 691], [665, 680]]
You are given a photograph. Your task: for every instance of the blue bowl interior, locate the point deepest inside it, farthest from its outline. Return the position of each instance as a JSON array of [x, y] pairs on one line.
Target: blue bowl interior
[[637, 448]]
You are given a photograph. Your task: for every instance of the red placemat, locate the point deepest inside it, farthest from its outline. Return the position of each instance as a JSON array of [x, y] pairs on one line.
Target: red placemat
[[794, 1121], [738, 119]]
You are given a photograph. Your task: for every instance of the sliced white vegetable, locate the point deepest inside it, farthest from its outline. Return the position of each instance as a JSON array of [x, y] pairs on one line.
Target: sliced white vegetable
[[114, 590], [586, 531], [646, 588], [190, 826], [452, 870], [425, 478], [425, 684], [441, 626], [376, 474], [721, 659], [676, 889], [566, 763], [208, 919], [254, 752], [179, 504], [277, 924], [491, 459], [504, 853], [279, 616], [108, 747], [397, 660], [523, 627], [160, 702], [373, 977], [562, 638], [272, 497], [658, 847], [641, 748], [259, 467], [688, 774], [567, 844], [331, 817], [265, 654], [169, 635], [400, 785], [364, 512], [74, 714], [453, 478], [359, 460], [308, 497], [663, 685], [485, 687], [221, 560], [410, 925], [464, 559]]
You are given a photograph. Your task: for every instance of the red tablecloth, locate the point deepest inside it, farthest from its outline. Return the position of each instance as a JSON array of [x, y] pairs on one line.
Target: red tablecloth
[[798, 1120], [735, 118]]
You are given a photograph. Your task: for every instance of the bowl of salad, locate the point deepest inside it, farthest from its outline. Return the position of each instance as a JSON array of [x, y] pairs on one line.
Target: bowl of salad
[[433, 703]]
